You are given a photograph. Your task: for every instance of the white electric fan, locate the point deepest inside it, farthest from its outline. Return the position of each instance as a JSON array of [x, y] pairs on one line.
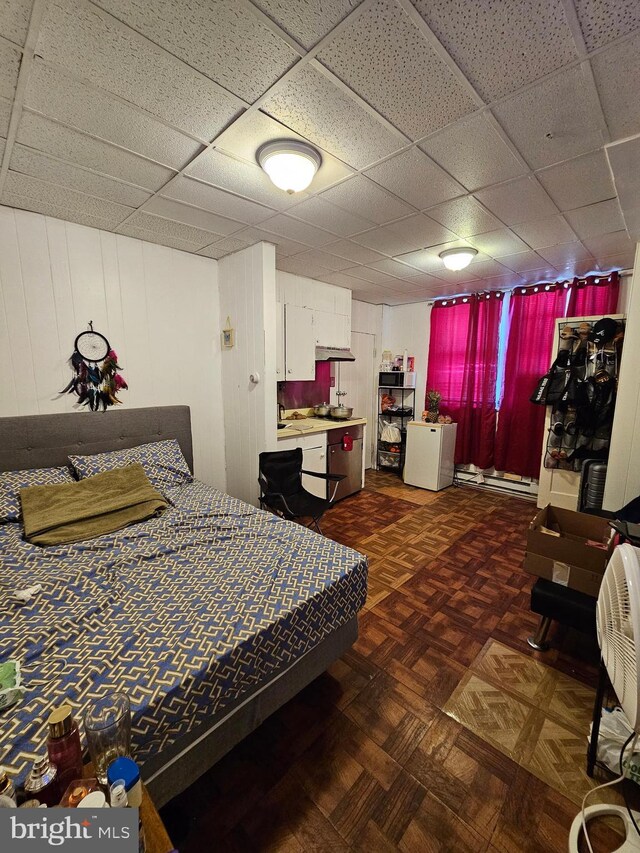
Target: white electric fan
[[618, 624]]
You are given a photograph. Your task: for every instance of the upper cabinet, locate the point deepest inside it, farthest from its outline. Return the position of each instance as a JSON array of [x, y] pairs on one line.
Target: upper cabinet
[[299, 344], [331, 329]]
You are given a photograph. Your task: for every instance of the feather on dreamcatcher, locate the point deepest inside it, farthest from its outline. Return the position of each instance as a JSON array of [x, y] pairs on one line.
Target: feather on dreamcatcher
[[95, 379]]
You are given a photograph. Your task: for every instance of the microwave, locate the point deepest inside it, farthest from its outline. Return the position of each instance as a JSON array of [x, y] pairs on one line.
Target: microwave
[[396, 379]]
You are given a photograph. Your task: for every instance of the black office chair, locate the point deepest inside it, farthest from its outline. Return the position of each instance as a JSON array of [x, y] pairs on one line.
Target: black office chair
[[281, 488]]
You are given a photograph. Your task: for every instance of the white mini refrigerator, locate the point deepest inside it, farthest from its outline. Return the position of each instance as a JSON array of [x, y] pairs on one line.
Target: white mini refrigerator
[[429, 455]]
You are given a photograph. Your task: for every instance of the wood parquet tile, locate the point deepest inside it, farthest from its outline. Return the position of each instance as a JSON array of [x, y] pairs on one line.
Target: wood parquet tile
[[366, 757]]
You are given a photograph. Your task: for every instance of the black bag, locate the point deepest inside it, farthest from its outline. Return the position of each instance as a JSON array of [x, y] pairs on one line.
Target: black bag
[[551, 386]]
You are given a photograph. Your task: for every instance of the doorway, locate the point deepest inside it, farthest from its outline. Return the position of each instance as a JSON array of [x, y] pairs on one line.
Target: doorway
[[359, 379]]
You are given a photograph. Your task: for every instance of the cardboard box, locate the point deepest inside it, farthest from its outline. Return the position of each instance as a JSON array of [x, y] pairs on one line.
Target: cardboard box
[[571, 557]]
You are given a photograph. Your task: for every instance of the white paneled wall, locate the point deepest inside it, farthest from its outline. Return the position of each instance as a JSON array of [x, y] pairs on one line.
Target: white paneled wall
[[367, 318], [407, 327], [248, 299], [157, 306]]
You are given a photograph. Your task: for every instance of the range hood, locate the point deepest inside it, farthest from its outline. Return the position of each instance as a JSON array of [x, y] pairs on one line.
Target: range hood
[[334, 354]]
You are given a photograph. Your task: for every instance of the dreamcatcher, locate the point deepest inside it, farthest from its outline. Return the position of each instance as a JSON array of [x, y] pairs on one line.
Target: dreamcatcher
[[96, 380]]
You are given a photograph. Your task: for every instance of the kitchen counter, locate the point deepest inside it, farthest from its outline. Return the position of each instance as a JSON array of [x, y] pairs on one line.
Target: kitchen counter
[[309, 426]]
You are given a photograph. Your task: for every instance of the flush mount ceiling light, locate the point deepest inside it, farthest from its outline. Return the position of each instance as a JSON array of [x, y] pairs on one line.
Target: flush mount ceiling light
[[290, 164], [458, 259]]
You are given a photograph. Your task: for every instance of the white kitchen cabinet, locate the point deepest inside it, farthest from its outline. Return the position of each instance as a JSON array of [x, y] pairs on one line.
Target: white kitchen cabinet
[[299, 344], [315, 459], [280, 362], [331, 329]]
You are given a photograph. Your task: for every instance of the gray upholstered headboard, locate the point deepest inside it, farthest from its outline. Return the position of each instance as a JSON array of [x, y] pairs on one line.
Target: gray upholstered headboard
[[43, 441]]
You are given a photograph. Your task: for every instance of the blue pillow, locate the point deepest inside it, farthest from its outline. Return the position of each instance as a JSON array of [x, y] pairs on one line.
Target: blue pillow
[[163, 463], [12, 481]]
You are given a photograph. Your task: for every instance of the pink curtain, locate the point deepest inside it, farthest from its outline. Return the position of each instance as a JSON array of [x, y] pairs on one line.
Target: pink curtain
[[531, 334], [463, 357], [594, 295]]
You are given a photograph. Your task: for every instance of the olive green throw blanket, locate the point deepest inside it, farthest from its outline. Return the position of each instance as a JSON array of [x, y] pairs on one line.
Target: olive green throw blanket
[[72, 512]]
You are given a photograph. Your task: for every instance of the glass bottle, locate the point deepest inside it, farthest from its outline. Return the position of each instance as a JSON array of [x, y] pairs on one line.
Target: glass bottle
[[63, 746], [41, 783]]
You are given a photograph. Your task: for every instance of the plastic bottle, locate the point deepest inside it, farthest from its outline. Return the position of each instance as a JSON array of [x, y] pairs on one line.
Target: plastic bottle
[[64, 747]]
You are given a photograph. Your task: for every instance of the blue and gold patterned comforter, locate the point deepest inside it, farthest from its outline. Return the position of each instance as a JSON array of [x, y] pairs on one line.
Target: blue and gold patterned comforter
[[186, 613]]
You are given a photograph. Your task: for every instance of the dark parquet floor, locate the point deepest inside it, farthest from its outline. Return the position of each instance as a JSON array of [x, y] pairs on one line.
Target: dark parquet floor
[[365, 758]]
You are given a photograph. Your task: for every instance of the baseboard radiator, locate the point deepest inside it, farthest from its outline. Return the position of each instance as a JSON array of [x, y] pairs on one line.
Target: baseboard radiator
[[510, 484]]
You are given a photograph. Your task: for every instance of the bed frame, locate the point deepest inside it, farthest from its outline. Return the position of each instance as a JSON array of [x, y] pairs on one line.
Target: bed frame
[[41, 441]]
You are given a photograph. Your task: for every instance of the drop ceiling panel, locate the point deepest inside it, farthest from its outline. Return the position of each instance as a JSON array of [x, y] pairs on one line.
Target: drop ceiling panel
[[5, 116], [30, 193], [602, 21], [458, 277], [317, 211], [213, 252], [68, 100], [501, 45], [610, 244], [428, 260], [562, 106], [464, 216], [284, 246], [596, 219], [576, 183], [407, 235], [371, 275], [360, 194], [326, 260], [145, 226], [545, 232], [296, 230], [486, 269], [343, 280], [617, 74], [254, 129], [240, 177], [217, 201], [9, 68], [353, 252], [203, 219], [523, 262], [519, 201], [502, 282], [39, 165], [387, 60], [416, 179], [68, 144], [299, 265], [14, 19], [218, 38], [565, 254], [393, 267], [317, 109], [498, 243], [623, 260], [474, 153], [78, 37], [305, 20]]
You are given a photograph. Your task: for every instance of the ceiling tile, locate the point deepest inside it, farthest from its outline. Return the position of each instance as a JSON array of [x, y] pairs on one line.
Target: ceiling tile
[[301, 265], [239, 177], [456, 276], [523, 262], [620, 261], [296, 230], [38, 165], [9, 68], [387, 60], [617, 73], [93, 111], [354, 252], [145, 226], [254, 128], [610, 244], [212, 252], [474, 153], [602, 21], [498, 243], [596, 219], [224, 247], [170, 209], [578, 182], [393, 267], [545, 232], [14, 19], [317, 211], [428, 260], [78, 37], [218, 38], [284, 246], [502, 282], [5, 116], [426, 281], [343, 280], [314, 107], [324, 259], [67, 144], [2, 147], [486, 269], [29, 193], [405, 236], [217, 201], [464, 216], [517, 201], [501, 45], [574, 268], [307, 22], [565, 254], [416, 179], [562, 106], [371, 275], [360, 194]]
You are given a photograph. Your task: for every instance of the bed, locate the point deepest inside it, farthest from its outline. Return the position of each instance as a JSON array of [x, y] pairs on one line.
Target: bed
[[210, 616]]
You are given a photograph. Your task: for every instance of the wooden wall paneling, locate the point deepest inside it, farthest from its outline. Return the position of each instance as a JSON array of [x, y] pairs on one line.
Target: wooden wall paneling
[[66, 322]]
